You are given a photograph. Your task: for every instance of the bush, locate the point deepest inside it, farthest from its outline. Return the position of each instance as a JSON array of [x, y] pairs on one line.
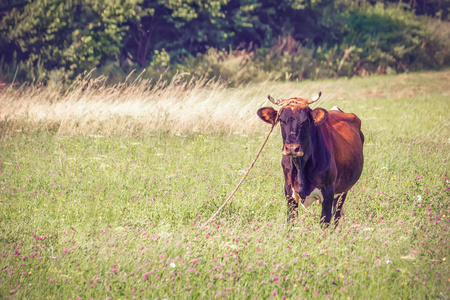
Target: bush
[[381, 37]]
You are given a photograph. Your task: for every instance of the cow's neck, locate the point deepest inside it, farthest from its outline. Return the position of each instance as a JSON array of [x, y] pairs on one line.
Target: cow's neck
[[302, 182], [308, 169]]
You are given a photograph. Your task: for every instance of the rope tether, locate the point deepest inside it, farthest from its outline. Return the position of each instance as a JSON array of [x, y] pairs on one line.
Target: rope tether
[[246, 173]]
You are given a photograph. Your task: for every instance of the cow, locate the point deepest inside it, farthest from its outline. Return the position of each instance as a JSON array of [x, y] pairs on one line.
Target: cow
[[322, 154]]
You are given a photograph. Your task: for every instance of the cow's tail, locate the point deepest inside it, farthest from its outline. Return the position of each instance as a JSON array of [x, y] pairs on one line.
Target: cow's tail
[[336, 108]]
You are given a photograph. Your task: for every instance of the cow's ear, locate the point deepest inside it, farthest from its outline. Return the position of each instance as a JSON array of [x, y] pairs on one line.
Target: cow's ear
[[319, 115], [267, 114]]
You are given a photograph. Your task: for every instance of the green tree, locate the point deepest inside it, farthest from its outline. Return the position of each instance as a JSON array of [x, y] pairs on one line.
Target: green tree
[[181, 27], [69, 36]]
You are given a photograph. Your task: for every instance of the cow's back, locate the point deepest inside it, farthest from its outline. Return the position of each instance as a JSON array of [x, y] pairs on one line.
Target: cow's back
[[345, 140]]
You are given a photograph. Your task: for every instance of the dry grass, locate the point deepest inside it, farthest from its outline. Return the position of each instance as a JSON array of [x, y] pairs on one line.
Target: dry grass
[[90, 106]]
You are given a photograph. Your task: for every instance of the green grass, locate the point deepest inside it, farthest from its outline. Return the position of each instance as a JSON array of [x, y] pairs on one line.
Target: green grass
[[97, 216]]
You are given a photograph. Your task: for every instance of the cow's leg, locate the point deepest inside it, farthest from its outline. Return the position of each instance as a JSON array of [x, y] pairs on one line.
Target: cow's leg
[[292, 204], [338, 208], [292, 209], [327, 206]]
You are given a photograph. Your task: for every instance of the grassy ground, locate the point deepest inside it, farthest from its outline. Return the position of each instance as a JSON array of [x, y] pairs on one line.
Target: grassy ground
[[99, 212]]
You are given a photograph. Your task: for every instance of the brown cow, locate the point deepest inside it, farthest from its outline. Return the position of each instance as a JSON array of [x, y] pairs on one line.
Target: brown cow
[[322, 154]]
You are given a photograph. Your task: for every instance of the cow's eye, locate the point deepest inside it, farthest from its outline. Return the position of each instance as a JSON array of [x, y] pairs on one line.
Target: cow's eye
[[282, 122]]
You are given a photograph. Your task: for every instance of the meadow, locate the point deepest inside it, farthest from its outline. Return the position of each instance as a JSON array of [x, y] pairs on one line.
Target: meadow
[[104, 192]]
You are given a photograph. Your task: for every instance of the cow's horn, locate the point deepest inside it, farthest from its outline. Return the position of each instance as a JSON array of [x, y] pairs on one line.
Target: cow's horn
[[315, 98], [277, 102]]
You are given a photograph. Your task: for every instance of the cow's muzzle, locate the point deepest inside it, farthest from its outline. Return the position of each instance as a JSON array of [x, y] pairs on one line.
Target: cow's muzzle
[[292, 150]]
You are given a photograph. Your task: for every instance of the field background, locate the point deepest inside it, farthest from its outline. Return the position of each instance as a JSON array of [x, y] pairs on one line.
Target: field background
[[103, 191]]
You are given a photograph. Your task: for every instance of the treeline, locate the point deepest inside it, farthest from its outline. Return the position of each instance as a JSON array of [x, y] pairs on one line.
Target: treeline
[[53, 41]]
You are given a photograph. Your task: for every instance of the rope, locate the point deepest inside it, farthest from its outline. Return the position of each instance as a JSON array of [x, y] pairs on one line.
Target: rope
[[245, 175]]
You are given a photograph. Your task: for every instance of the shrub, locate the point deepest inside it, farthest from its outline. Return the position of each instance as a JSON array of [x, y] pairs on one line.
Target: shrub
[[379, 37]]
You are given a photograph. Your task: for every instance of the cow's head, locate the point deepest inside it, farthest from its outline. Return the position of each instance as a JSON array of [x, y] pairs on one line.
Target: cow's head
[[297, 120]]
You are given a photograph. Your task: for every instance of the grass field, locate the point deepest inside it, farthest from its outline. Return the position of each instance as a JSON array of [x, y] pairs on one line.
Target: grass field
[[103, 192]]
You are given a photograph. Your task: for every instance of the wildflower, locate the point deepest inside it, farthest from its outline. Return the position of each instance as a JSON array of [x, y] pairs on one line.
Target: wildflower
[[444, 259], [172, 265]]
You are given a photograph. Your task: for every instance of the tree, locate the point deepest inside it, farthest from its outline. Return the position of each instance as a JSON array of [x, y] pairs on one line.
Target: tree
[[69, 36], [180, 27]]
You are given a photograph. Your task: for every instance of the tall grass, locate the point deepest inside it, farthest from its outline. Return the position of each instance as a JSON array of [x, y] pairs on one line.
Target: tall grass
[[140, 106]]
